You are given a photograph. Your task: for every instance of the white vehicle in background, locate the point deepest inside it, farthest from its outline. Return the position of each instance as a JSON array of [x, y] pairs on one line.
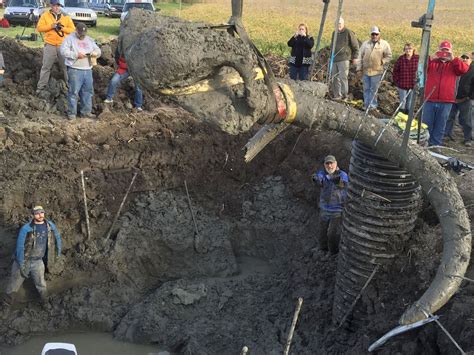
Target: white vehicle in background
[[137, 4], [79, 11]]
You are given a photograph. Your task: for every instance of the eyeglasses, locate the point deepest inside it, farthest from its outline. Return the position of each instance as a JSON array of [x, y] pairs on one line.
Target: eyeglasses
[[374, 34], [464, 57]]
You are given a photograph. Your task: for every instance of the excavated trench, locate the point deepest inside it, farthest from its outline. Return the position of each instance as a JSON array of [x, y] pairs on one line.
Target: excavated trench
[[157, 280]]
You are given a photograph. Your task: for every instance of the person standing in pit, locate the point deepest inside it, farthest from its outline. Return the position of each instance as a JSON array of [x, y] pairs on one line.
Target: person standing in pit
[[333, 183]]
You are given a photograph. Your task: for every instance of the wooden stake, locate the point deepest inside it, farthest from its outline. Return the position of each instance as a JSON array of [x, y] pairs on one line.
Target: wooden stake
[[85, 206], [293, 325], [121, 206], [196, 233]]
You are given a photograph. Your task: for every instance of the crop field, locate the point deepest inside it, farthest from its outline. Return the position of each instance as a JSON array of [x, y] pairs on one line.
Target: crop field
[[271, 23]]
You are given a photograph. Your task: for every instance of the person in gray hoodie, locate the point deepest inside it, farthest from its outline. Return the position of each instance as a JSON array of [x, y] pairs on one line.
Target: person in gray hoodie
[[346, 51], [81, 52]]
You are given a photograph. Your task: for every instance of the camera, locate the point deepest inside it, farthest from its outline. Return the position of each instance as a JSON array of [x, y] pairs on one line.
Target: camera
[[58, 26]]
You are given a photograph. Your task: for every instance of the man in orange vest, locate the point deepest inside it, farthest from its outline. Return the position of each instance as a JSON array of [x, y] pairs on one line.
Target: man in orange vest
[[56, 26]]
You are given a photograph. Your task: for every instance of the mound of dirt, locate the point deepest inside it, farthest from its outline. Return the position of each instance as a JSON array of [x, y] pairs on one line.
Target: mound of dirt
[[231, 283]]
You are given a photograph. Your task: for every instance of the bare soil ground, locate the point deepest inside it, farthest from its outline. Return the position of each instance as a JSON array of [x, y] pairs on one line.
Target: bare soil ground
[[231, 283]]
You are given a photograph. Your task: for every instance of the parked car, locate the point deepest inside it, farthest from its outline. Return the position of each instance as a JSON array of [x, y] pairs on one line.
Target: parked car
[[114, 8], [137, 4], [99, 6], [23, 12], [80, 12]]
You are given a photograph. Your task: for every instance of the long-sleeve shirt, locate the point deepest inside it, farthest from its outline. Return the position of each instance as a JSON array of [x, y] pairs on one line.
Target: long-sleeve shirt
[[51, 36], [373, 57], [441, 79], [347, 46], [71, 48], [28, 231], [404, 72]]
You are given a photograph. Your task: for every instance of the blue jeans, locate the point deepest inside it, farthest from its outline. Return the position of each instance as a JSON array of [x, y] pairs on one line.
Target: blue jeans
[[465, 111], [114, 84], [371, 84], [80, 86], [404, 93], [299, 73], [435, 115]]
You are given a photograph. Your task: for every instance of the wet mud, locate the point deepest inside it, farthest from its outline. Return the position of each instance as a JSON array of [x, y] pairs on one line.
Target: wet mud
[[231, 280]]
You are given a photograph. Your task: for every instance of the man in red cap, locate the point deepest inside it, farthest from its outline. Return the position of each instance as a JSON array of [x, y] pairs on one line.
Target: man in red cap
[[443, 70]]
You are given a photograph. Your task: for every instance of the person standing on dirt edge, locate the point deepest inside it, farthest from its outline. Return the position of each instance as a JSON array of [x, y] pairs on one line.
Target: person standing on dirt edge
[[464, 103], [347, 49], [374, 57], [333, 182], [301, 57], [37, 240], [80, 52], [120, 75], [55, 25], [443, 70], [404, 75]]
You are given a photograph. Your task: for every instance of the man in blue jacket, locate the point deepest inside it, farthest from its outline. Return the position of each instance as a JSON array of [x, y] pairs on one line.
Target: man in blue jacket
[[37, 241], [333, 182]]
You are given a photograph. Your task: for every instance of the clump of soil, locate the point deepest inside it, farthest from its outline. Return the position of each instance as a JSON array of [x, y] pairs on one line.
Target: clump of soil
[[230, 280]]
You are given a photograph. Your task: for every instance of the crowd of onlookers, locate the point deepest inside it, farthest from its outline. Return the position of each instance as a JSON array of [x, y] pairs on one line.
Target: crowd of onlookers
[[449, 86], [76, 53]]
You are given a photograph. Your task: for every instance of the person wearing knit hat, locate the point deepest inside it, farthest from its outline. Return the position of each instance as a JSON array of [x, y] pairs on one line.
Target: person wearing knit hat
[[37, 240], [333, 182], [440, 90]]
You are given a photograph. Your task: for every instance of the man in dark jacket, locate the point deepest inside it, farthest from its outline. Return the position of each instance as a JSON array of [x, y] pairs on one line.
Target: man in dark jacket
[[347, 49], [443, 70], [464, 102], [333, 182], [37, 240], [301, 57]]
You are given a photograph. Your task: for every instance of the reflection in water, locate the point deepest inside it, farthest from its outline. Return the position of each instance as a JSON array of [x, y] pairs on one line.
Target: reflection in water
[[86, 344]]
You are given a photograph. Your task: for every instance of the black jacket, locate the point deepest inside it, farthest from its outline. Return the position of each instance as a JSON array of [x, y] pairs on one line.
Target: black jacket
[[466, 84], [301, 50]]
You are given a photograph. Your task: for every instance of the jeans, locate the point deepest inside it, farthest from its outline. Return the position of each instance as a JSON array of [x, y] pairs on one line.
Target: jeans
[[404, 93], [465, 111], [80, 86], [35, 268], [339, 84], [299, 73], [435, 115], [371, 84], [114, 84]]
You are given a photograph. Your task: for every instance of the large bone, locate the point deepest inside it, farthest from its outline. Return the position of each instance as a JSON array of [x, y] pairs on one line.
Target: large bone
[[168, 55]]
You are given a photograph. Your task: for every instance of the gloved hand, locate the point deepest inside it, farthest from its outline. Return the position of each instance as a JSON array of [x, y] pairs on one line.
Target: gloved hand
[[23, 271]]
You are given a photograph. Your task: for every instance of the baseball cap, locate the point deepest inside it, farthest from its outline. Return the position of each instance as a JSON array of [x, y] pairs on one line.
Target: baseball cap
[[445, 45], [37, 209], [330, 159], [375, 29], [81, 28], [56, 2]]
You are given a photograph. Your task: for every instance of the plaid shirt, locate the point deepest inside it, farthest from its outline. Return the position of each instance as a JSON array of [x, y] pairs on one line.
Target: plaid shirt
[[404, 72]]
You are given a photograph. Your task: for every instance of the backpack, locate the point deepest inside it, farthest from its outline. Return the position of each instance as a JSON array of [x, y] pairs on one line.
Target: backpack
[[4, 23]]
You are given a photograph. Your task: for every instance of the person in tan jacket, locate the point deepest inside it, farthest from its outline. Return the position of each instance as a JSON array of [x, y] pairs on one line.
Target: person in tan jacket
[[374, 56], [55, 25]]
